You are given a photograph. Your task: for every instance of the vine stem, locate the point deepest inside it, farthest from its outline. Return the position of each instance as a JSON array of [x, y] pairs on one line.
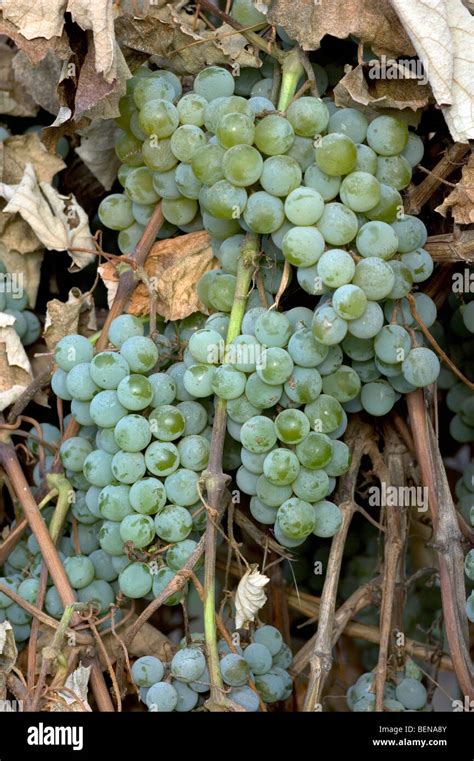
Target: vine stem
[[214, 478], [292, 69]]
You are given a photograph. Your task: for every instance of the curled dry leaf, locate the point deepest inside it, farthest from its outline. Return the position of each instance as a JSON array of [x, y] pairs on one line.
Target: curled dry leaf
[[97, 150], [41, 19], [445, 45], [58, 221], [373, 22], [8, 651], [15, 368], [249, 597], [147, 641], [76, 315], [173, 266], [21, 150], [461, 199], [168, 35], [95, 97], [14, 101], [78, 683], [400, 97]]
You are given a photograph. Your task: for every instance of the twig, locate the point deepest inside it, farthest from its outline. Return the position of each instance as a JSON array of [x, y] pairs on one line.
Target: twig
[[451, 248], [39, 382], [447, 541], [423, 192]]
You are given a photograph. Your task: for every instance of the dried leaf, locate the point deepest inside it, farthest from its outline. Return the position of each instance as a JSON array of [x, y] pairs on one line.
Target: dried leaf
[[400, 97], [97, 150], [26, 266], [461, 199], [373, 22], [99, 18], [78, 683], [168, 36], [40, 80], [14, 101], [95, 97], [8, 651], [249, 597], [174, 266], [58, 221], [15, 368], [147, 641], [445, 45], [37, 48], [21, 150], [43, 18], [76, 315]]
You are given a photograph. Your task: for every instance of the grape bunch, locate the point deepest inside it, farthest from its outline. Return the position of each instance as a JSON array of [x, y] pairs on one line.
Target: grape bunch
[[183, 684], [14, 302], [404, 692]]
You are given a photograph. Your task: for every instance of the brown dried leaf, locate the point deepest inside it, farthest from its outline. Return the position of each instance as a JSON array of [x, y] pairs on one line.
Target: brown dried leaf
[[15, 368], [21, 150], [40, 80], [59, 221], [169, 37], [147, 641], [97, 150], [14, 101], [174, 266], [37, 48], [400, 97], [8, 651], [461, 199], [26, 265], [373, 22], [99, 18], [76, 315], [95, 97], [43, 18]]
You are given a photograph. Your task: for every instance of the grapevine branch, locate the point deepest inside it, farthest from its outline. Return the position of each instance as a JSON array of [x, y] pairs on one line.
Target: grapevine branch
[[419, 195]]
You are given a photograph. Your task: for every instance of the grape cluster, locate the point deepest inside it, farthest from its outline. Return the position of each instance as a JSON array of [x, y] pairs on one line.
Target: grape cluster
[[14, 301], [404, 692], [183, 684]]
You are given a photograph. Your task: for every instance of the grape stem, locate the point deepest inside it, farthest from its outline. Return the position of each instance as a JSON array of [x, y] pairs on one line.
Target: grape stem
[[214, 479], [292, 69]]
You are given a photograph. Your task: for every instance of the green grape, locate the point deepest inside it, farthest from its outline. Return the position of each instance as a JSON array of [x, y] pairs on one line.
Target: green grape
[[411, 694], [304, 385], [219, 320], [336, 154], [421, 367], [377, 239], [311, 485], [403, 280], [246, 481], [308, 116], [195, 415], [248, 76], [273, 329], [173, 523], [129, 150], [280, 175], [366, 370], [377, 397], [158, 118], [263, 89], [221, 292], [296, 518], [275, 366], [194, 452], [234, 669], [274, 135], [132, 433], [115, 211], [198, 380], [147, 496], [328, 519], [359, 349], [179, 211], [186, 181], [214, 82], [420, 264], [157, 155], [304, 206], [140, 352], [292, 426], [315, 451], [165, 185], [147, 671], [139, 186], [411, 233], [360, 191], [327, 326], [187, 141], [350, 122], [128, 467], [228, 382], [161, 458], [303, 151], [258, 434], [338, 224], [270, 637], [207, 164], [326, 185], [394, 171], [235, 129], [226, 201], [182, 487], [138, 530], [152, 88], [135, 580], [325, 414], [305, 350], [98, 468], [369, 324], [122, 173], [260, 394], [72, 350], [128, 239], [260, 105], [332, 361], [281, 467], [191, 109], [336, 267], [110, 539], [242, 165], [264, 213], [387, 136], [79, 570], [240, 410], [166, 422], [220, 228], [341, 459], [122, 327], [73, 453], [79, 383], [206, 345], [392, 344], [343, 384], [414, 149], [349, 302], [375, 277], [261, 512], [389, 206], [366, 159]]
